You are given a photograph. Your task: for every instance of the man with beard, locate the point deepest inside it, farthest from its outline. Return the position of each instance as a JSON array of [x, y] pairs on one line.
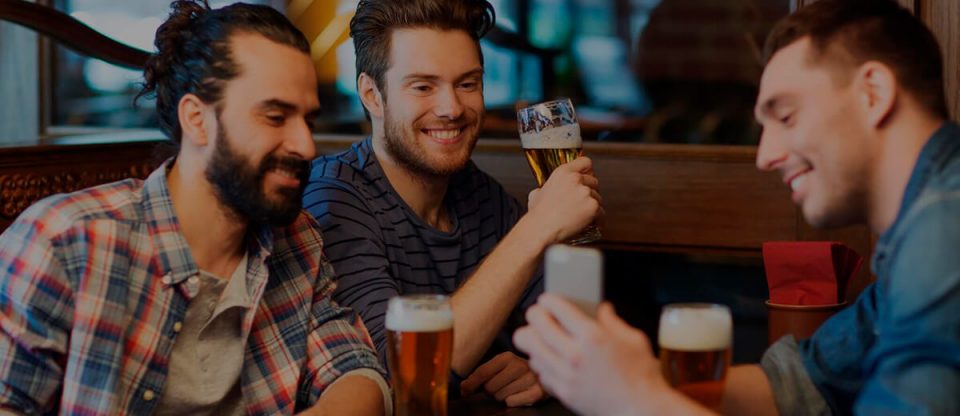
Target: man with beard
[[855, 122], [406, 212], [203, 289]]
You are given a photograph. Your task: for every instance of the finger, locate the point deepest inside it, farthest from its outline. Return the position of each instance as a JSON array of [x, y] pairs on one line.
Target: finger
[[554, 336], [527, 397], [596, 195], [590, 180], [543, 360], [532, 196], [523, 382], [512, 372], [582, 164], [607, 318], [571, 321], [484, 372]]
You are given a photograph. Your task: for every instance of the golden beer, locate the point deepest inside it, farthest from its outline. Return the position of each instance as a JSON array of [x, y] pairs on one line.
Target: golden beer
[[550, 137], [695, 350], [543, 161], [419, 348]]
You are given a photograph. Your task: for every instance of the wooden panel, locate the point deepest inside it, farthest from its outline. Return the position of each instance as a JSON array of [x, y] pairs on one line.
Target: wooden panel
[[669, 196], [943, 17]]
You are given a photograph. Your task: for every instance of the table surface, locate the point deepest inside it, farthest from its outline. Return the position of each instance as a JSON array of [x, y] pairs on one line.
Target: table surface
[[482, 404]]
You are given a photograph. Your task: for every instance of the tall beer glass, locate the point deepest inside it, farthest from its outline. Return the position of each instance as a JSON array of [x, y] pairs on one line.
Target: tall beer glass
[[550, 137], [695, 350], [419, 345]]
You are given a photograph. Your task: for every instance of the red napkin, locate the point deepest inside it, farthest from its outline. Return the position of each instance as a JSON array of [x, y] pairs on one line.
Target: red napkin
[[809, 272]]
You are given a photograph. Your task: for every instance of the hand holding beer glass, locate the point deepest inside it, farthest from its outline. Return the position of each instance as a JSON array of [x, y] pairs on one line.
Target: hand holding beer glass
[[550, 137], [695, 350], [419, 348]]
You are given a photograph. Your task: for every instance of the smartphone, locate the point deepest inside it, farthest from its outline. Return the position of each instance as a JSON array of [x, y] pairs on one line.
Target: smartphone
[[575, 273]]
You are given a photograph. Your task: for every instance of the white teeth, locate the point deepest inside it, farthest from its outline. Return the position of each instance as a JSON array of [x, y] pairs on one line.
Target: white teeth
[[285, 172], [796, 182], [444, 134]]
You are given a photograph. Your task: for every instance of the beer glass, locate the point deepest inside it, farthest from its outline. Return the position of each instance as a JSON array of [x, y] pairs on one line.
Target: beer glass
[[550, 137], [419, 346], [695, 350]]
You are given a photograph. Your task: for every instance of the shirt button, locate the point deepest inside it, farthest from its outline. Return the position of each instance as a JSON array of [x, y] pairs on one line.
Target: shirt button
[[167, 279], [177, 326], [149, 395]]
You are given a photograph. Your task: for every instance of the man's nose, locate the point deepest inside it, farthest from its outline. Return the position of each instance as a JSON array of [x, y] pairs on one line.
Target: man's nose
[[771, 152], [448, 104]]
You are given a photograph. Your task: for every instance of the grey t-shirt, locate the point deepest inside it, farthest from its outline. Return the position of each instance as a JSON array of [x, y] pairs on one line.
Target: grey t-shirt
[[207, 357], [380, 248]]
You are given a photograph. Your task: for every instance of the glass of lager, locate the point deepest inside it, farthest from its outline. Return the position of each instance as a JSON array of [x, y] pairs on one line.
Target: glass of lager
[[550, 137], [419, 345], [695, 351]]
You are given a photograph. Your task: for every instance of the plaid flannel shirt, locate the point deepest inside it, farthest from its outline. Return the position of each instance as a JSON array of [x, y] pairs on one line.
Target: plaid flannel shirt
[[94, 285]]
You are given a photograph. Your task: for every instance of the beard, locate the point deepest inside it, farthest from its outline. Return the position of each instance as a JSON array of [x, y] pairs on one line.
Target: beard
[[240, 186], [409, 154]]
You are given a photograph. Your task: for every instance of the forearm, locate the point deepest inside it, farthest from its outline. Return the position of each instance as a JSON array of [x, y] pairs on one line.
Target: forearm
[[481, 306], [748, 392], [352, 395]]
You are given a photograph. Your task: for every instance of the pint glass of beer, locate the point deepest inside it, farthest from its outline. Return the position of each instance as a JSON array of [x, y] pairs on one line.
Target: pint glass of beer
[[695, 350], [419, 345], [550, 137]]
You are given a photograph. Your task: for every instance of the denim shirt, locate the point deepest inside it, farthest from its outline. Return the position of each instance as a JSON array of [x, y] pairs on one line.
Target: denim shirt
[[896, 351]]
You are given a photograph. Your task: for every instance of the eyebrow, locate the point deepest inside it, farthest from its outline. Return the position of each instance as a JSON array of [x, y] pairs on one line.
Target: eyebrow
[[768, 107], [278, 104], [431, 77]]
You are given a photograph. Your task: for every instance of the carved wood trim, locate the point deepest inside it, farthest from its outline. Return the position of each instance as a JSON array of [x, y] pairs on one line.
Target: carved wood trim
[[31, 173]]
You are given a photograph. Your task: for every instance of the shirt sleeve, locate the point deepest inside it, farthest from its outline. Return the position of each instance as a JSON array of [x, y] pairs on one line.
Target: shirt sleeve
[[35, 316], [338, 343], [793, 391], [914, 367], [355, 246]]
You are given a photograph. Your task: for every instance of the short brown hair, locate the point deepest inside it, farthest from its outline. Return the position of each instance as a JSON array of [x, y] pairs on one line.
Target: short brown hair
[[852, 32], [373, 24]]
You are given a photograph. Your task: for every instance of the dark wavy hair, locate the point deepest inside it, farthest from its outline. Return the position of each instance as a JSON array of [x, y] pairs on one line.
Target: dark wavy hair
[[848, 33], [193, 53], [373, 24]]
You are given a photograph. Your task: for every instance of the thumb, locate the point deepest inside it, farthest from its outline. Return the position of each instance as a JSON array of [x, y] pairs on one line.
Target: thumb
[[532, 197], [608, 319]]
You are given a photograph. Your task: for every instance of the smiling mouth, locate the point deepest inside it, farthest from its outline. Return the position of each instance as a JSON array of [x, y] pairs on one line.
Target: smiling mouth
[[448, 134], [797, 179]]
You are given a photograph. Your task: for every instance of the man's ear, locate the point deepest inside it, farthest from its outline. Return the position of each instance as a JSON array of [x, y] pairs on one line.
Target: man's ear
[[192, 113], [878, 91], [370, 95]]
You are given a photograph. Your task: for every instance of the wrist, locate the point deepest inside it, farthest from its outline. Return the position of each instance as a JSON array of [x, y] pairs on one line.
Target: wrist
[[534, 235]]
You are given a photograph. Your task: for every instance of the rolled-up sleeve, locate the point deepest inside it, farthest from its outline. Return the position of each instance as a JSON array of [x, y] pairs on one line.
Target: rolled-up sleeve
[[793, 391], [339, 342]]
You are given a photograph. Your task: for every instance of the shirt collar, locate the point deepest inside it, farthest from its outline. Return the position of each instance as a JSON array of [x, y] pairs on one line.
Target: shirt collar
[[936, 152], [174, 253]]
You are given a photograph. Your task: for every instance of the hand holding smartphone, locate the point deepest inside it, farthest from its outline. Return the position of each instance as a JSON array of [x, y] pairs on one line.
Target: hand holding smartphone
[[575, 273]]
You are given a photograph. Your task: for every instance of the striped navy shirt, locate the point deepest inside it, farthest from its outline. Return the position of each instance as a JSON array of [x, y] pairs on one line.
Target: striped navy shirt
[[380, 248]]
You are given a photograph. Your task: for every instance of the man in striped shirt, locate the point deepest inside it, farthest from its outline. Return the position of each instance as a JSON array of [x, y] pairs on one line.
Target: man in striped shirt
[[203, 289], [405, 211]]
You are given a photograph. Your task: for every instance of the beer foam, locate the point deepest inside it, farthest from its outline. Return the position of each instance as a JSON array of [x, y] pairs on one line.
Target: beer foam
[[417, 317], [695, 329], [562, 137]]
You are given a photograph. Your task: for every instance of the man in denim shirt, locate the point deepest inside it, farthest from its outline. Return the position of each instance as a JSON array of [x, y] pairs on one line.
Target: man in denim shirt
[[855, 121]]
